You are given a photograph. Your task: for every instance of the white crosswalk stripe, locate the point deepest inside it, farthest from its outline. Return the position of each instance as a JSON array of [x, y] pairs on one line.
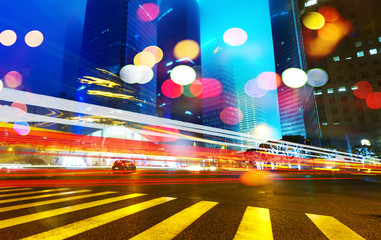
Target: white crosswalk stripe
[[255, 223]]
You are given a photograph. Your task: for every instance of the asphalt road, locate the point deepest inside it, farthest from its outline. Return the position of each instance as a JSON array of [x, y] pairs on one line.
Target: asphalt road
[[97, 204]]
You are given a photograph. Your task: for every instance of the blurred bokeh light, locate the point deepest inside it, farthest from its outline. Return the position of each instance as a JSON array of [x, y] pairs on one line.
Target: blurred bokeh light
[[1, 85], [21, 127], [235, 37], [255, 178], [183, 75], [8, 37], [148, 12], [130, 74], [171, 90], [145, 58], [329, 13], [147, 74], [21, 108], [313, 20], [294, 77], [210, 88], [362, 89], [196, 88], [272, 79], [13, 79], [34, 38], [317, 77], [186, 49], [330, 32], [155, 51], [231, 115], [373, 100], [256, 88]]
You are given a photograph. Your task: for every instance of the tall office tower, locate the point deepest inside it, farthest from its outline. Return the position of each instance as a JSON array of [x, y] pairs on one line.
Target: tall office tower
[[103, 54], [345, 118], [141, 34], [212, 107], [297, 107], [180, 22]]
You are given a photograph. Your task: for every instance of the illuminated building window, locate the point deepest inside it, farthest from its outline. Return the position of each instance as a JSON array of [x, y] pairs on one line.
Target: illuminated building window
[[354, 87], [324, 123], [360, 54], [318, 92], [336, 59], [342, 89], [379, 39], [348, 58], [336, 123], [310, 3], [373, 51], [330, 90], [358, 44]]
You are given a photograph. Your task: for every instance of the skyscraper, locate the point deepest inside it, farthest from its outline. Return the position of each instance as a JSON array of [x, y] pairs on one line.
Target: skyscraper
[[181, 22], [297, 107], [103, 54], [346, 119]]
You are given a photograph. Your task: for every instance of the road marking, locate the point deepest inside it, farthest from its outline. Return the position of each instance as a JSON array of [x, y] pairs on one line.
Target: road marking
[[35, 204], [33, 192], [93, 222], [41, 196], [14, 190], [172, 226], [255, 224], [51, 213], [332, 228]]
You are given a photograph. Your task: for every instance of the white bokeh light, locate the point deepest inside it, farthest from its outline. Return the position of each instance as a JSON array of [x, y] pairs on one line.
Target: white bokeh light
[[130, 74], [294, 77], [317, 77], [147, 74], [8, 37], [1, 85], [183, 75], [235, 37], [34, 38]]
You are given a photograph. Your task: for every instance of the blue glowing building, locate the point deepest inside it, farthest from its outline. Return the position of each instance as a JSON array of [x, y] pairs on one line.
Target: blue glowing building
[[179, 21], [297, 107]]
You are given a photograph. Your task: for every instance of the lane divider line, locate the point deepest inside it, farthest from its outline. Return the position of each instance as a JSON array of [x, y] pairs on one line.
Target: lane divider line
[[172, 226], [332, 228], [41, 196], [35, 204], [96, 221], [33, 192], [55, 212], [14, 190], [255, 224]]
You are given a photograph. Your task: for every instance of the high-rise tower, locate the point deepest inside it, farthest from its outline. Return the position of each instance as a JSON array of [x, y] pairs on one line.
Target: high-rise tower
[[297, 107]]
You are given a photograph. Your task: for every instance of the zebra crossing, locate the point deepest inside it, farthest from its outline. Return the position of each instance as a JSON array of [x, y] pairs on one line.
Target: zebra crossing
[[255, 222]]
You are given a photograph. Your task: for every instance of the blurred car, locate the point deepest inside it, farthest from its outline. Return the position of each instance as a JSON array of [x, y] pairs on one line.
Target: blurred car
[[124, 165]]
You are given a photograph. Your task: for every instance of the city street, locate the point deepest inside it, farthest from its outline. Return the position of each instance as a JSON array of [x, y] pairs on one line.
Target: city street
[[178, 204]]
